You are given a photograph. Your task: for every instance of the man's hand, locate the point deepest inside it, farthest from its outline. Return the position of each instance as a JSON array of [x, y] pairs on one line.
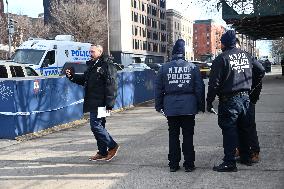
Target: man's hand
[[69, 72]]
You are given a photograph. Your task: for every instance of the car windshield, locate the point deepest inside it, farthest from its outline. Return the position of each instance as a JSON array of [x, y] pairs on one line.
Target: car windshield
[[28, 56]]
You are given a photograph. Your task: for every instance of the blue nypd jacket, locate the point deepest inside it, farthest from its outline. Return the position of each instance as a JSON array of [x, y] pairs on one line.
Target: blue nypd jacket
[[179, 89], [231, 72]]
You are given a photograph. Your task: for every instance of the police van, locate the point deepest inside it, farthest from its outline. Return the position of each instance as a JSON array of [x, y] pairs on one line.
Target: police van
[[47, 57]]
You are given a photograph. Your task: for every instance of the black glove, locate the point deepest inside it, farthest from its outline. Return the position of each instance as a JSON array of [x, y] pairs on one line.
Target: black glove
[[108, 108], [209, 107], [70, 72]]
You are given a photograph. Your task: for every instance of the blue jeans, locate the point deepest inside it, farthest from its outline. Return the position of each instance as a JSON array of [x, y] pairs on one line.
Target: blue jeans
[[234, 120], [104, 140]]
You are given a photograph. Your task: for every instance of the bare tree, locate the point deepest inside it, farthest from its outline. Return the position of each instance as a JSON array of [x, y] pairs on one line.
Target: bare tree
[[26, 27], [3, 30], [86, 20], [278, 47]]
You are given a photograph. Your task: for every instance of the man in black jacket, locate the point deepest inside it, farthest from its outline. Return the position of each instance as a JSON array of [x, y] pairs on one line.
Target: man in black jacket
[[231, 80], [100, 84]]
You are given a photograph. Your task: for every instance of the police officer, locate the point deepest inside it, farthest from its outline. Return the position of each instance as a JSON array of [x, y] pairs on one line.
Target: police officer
[[231, 79], [179, 89], [254, 97]]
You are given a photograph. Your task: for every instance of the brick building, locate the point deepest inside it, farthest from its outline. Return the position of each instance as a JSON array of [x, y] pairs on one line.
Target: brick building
[[206, 39]]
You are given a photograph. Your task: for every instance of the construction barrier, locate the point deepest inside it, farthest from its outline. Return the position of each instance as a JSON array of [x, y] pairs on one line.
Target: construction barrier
[[32, 105]]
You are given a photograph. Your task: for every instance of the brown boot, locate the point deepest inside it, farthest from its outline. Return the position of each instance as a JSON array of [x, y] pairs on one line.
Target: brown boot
[[112, 153], [97, 157], [255, 157], [237, 154]]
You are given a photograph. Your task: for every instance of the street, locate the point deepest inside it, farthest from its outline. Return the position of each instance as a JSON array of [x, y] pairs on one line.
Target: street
[[60, 159]]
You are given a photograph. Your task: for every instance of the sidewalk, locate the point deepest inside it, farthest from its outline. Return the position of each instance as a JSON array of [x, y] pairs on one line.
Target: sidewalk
[[60, 160]]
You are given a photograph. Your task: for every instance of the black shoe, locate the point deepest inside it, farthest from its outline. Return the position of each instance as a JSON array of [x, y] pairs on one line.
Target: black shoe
[[247, 162], [174, 169], [189, 168], [226, 167]]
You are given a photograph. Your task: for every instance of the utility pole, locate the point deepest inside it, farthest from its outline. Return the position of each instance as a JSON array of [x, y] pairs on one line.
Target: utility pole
[[10, 29], [107, 11]]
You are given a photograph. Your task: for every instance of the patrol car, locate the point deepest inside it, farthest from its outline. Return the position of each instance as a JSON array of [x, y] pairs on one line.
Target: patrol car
[[47, 57], [12, 69]]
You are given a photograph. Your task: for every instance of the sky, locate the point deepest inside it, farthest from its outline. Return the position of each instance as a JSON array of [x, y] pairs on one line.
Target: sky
[[193, 9]]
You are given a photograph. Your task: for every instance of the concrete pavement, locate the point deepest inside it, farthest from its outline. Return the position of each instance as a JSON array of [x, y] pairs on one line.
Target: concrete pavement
[[60, 160]]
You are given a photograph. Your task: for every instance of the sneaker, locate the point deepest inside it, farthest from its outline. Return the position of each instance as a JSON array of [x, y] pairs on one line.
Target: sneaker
[[255, 157], [174, 168], [226, 167], [112, 153], [97, 157]]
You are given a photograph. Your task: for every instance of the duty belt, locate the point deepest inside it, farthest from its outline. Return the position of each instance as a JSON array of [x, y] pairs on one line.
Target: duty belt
[[228, 96]]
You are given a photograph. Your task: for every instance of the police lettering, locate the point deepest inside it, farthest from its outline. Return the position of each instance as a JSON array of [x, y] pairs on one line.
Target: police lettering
[[239, 62], [179, 75], [80, 53]]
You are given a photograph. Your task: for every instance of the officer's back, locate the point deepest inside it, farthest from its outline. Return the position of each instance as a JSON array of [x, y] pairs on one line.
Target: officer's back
[[181, 86]]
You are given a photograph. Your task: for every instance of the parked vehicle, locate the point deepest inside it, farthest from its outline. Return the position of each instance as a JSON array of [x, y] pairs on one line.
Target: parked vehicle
[[266, 64], [47, 57], [203, 67], [154, 66], [136, 67], [10, 69]]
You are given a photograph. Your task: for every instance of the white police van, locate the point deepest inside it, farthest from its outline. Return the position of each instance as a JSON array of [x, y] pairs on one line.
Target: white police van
[[47, 57]]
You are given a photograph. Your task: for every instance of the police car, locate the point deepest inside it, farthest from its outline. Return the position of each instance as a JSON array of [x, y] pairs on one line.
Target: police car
[[12, 69], [47, 57]]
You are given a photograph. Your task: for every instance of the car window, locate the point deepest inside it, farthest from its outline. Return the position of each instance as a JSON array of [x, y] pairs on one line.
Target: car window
[[17, 71], [3, 72], [30, 72]]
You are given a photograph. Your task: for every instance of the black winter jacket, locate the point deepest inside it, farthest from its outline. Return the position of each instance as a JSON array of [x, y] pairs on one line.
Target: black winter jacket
[[231, 72], [100, 84]]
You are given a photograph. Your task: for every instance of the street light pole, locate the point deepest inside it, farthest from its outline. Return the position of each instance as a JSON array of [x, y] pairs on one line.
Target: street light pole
[[9, 30]]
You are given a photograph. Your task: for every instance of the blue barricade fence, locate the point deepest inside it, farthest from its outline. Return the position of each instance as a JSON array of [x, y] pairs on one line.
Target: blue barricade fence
[[31, 105]]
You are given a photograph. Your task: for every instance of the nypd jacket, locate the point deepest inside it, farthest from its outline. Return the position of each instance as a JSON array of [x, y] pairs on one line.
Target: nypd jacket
[[100, 84], [179, 89], [231, 72]]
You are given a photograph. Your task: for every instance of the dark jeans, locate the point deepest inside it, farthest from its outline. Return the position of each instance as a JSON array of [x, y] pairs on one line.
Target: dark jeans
[[234, 120], [254, 144], [187, 124], [104, 140]]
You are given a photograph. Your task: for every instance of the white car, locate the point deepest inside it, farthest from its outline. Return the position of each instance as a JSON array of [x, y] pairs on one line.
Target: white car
[[9, 69], [138, 66]]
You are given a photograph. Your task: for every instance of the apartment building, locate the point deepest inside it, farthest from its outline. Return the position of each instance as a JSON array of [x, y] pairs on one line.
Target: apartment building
[[206, 39], [247, 44], [179, 27], [138, 30]]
